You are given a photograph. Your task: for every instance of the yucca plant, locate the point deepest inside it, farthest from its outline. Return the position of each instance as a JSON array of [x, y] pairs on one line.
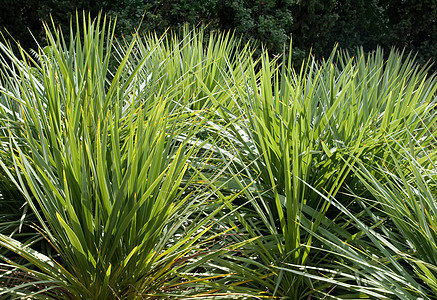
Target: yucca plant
[[107, 167]]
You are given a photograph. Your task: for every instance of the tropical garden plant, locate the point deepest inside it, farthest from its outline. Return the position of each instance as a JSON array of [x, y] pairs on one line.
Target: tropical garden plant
[[166, 167]]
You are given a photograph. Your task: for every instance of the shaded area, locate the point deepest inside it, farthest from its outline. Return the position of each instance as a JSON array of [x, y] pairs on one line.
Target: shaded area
[[316, 25]]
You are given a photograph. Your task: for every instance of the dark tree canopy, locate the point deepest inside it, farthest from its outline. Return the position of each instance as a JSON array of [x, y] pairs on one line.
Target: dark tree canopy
[[313, 24]]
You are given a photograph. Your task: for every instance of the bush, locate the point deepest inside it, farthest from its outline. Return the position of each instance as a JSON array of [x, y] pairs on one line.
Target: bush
[[316, 25]]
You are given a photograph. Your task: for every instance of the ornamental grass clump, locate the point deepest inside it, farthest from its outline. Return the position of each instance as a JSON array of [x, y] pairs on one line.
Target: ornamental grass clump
[[103, 160], [296, 139]]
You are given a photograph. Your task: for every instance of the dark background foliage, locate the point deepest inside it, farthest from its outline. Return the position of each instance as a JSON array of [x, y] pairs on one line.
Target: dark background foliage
[[313, 24]]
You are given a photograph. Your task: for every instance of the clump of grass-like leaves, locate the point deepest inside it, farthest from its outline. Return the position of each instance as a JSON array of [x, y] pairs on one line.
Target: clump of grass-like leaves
[[296, 139], [196, 170], [104, 162]]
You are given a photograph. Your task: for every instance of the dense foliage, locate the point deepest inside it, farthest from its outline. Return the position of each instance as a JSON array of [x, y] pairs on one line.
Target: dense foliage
[[313, 24], [200, 170]]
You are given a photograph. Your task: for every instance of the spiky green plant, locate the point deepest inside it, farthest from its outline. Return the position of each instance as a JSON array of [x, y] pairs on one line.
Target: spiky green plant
[[297, 138], [405, 195], [181, 169], [104, 160]]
